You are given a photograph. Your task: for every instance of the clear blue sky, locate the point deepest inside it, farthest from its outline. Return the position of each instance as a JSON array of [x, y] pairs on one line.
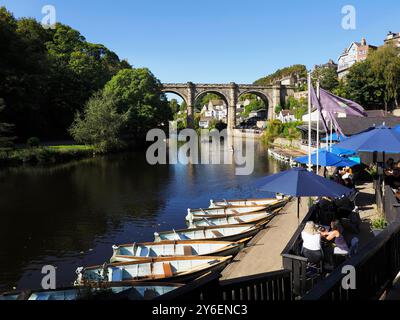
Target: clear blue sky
[[220, 41]]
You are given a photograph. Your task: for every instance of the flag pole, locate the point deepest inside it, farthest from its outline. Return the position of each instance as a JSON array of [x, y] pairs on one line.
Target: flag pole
[[330, 138], [309, 121], [318, 112]]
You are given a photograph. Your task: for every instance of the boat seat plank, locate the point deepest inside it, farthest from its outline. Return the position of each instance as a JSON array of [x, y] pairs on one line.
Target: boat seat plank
[[187, 250], [217, 233], [238, 220], [167, 269]]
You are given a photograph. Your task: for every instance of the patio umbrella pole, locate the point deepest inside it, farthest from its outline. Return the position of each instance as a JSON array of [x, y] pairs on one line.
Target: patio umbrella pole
[[298, 210], [309, 121], [318, 112]]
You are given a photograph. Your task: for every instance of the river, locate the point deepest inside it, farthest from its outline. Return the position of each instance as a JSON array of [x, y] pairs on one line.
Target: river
[[70, 215]]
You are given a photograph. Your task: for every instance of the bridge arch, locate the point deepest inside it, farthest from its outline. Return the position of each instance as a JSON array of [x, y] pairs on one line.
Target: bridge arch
[[217, 92], [262, 95], [178, 93]]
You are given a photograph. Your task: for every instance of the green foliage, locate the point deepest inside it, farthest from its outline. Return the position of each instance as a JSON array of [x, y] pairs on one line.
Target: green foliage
[[297, 69], [174, 106], [299, 107], [101, 124], [379, 223], [276, 128], [46, 155], [33, 142], [375, 82], [278, 109], [205, 99], [6, 140], [140, 100], [47, 75], [255, 104], [327, 76]]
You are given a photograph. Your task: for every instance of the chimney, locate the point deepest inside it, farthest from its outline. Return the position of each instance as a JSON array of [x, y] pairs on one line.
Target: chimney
[[363, 42]]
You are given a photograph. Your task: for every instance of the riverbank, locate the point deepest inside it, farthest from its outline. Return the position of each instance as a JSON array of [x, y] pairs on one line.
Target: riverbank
[[46, 155]]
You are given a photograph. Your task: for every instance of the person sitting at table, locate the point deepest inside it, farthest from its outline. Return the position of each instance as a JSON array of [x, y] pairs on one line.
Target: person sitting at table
[[347, 174], [389, 164], [349, 183], [335, 235], [311, 243]]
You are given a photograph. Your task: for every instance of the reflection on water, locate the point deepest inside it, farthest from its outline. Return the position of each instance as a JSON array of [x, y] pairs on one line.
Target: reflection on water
[[70, 215]]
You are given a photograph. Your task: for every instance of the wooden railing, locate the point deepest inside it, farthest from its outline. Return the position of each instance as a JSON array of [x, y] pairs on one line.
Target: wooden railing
[[391, 206], [294, 261], [271, 286], [376, 265]]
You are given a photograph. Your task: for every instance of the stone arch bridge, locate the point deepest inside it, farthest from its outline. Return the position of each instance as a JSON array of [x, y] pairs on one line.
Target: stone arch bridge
[[272, 95]]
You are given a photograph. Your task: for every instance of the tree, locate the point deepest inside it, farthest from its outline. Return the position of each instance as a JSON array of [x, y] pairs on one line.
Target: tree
[[141, 100], [47, 75], [364, 87], [100, 124], [327, 77], [278, 109], [297, 70], [173, 104], [6, 141], [375, 82], [385, 66]]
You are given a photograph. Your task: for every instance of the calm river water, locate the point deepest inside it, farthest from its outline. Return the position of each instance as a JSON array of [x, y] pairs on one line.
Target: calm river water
[[70, 215]]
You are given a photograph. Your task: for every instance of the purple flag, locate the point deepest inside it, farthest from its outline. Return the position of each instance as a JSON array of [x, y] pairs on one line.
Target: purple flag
[[333, 103], [315, 102]]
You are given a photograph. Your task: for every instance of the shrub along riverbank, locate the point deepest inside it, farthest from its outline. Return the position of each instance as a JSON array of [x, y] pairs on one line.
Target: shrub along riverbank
[[45, 155]]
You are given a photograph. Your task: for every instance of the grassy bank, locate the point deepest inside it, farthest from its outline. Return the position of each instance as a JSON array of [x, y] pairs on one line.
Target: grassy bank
[[45, 155]]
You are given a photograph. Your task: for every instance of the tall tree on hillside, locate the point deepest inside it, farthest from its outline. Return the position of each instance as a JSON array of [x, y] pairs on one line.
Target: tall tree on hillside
[[385, 65], [327, 76], [6, 129], [47, 75], [140, 99]]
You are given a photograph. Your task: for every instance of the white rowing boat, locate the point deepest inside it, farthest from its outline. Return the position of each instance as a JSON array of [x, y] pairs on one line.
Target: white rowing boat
[[233, 219], [223, 211], [169, 269], [222, 233], [141, 251], [245, 202], [139, 291]]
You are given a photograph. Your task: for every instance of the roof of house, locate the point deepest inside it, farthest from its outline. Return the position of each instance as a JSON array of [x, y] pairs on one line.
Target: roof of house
[[287, 112], [259, 110], [217, 102], [206, 118], [354, 125]]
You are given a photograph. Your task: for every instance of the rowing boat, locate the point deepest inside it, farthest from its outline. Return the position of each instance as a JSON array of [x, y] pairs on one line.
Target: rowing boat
[[169, 269], [230, 210], [140, 291], [244, 202], [233, 219], [233, 232], [142, 251], [236, 217]]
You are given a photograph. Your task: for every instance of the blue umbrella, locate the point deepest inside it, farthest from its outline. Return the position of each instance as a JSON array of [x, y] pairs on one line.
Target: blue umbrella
[[335, 137], [299, 182], [341, 151], [396, 128], [379, 139], [327, 159]]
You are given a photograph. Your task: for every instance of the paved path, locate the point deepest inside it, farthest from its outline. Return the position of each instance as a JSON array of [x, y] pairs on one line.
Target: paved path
[[263, 254]]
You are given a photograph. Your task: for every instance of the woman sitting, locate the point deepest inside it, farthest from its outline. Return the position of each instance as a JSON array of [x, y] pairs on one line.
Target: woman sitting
[[311, 243], [336, 236]]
